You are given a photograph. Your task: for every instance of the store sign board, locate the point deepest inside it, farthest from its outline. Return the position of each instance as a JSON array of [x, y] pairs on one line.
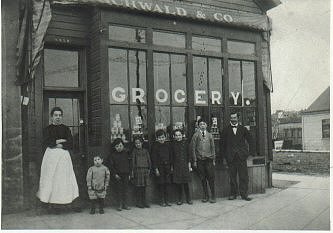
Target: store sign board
[[183, 9], [118, 94]]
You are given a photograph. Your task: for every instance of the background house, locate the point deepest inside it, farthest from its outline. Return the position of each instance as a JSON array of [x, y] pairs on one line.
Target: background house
[[287, 127], [316, 124]]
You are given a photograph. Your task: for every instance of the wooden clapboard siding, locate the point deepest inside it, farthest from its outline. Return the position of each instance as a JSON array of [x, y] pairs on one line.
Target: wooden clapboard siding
[[257, 178], [240, 5], [69, 23], [94, 83]]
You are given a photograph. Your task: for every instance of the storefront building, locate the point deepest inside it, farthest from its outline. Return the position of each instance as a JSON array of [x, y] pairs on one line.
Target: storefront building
[[121, 68]]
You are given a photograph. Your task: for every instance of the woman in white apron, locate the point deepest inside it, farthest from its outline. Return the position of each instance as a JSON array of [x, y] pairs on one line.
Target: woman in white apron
[[57, 183]]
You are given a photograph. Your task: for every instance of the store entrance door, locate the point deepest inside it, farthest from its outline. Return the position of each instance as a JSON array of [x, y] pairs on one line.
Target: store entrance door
[[72, 105]]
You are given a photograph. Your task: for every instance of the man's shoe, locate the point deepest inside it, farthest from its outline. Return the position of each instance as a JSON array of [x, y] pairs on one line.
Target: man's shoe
[[189, 202], [246, 198], [119, 208], [125, 207], [232, 197], [213, 200], [140, 206], [167, 203], [163, 204], [146, 205], [204, 200], [179, 203], [101, 211]]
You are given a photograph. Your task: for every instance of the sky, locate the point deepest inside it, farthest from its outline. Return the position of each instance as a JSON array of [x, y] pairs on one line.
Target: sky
[[299, 52]]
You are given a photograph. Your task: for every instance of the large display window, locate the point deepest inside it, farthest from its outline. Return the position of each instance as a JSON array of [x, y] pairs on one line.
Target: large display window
[[186, 74], [127, 85]]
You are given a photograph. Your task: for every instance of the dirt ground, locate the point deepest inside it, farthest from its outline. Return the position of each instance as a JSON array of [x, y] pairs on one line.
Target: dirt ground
[[309, 163]]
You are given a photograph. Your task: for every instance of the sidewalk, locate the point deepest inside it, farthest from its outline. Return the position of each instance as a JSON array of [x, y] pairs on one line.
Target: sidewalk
[[299, 203]]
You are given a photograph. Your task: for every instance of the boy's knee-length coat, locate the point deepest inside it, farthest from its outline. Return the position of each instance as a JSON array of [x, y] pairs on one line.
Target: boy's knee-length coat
[[180, 160]]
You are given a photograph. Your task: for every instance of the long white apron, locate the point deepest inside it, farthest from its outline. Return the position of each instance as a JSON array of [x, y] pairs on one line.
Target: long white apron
[[57, 179]]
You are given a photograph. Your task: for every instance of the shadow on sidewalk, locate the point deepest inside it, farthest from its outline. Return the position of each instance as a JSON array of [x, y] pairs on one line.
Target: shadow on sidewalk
[[283, 184]]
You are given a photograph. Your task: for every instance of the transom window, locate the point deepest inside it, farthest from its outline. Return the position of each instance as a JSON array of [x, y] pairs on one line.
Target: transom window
[[61, 68]]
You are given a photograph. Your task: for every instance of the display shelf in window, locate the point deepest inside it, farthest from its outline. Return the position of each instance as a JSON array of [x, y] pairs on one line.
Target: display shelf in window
[[117, 131], [137, 128], [214, 130]]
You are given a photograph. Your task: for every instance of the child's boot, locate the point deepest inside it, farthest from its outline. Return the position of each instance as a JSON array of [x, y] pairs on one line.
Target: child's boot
[[101, 205], [93, 207]]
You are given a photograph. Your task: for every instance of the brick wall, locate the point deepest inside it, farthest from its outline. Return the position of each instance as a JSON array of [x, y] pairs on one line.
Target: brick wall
[[12, 171]]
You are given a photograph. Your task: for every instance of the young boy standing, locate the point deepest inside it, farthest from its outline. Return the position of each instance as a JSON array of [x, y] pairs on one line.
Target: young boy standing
[[203, 149], [98, 178]]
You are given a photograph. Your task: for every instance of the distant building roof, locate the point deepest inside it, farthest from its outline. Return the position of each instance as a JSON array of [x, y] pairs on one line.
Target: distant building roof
[[322, 103]]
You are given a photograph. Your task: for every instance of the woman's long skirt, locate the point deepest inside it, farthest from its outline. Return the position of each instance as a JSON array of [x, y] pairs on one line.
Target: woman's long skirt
[[57, 183]]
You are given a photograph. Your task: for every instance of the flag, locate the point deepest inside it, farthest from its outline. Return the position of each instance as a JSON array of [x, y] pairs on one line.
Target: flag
[[34, 23], [41, 17]]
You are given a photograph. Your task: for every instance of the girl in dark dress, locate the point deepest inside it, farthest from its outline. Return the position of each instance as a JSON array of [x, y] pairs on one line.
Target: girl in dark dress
[[57, 183], [119, 164], [181, 166], [161, 160], [141, 167]]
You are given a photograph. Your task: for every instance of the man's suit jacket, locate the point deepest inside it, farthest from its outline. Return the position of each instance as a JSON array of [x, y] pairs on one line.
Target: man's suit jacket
[[232, 144]]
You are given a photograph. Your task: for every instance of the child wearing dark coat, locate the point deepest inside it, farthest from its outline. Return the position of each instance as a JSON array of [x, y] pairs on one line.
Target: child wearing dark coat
[[141, 168], [119, 163], [181, 164], [98, 178], [161, 161]]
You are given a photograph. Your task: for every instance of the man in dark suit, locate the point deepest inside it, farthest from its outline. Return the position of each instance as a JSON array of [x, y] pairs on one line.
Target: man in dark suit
[[235, 150]]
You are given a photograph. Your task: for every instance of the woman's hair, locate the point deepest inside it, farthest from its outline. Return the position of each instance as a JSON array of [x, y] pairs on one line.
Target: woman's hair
[[177, 130], [56, 109], [138, 138], [116, 142], [160, 132]]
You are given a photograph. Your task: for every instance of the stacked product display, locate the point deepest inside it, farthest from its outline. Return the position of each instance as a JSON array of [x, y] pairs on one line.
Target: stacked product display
[[117, 131]]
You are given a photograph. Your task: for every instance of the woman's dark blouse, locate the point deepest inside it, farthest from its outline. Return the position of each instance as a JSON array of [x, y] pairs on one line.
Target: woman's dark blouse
[[55, 132]]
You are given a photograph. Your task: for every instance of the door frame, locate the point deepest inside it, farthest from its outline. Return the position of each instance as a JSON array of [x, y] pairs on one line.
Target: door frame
[[67, 95]]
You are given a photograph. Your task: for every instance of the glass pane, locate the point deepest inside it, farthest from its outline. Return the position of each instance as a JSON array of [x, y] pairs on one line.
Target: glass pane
[[119, 122], [215, 81], [161, 78], [61, 68], [169, 39], [206, 44], [238, 47], [179, 119], [127, 34], [178, 79], [76, 138], [118, 84], [235, 85], [201, 112], [249, 85], [70, 109], [137, 75], [162, 121], [249, 121], [139, 121], [200, 81]]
